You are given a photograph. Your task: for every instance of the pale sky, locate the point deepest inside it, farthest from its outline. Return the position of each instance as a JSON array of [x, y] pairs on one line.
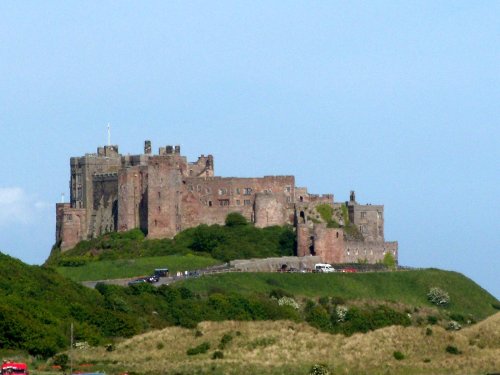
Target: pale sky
[[398, 101]]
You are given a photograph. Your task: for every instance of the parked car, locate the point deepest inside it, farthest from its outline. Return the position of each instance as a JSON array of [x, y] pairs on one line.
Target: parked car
[[350, 270], [138, 281], [153, 279], [323, 267], [161, 272]]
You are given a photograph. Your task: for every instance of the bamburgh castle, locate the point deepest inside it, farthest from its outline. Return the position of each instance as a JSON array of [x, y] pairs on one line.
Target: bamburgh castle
[[164, 194]]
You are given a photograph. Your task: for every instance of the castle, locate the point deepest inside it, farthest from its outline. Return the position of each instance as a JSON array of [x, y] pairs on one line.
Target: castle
[[164, 194]]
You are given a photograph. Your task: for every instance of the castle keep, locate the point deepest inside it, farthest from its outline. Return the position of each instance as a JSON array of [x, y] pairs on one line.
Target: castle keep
[[164, 194]]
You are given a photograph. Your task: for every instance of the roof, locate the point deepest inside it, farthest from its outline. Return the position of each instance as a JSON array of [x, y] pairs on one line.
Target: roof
[[14, 365]]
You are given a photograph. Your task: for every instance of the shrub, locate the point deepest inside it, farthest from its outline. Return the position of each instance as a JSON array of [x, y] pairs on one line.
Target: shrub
[[428, 331], [160, 346], [341, 312], [217, 355], [496, 305], [287, 301], [234, 219], [452, 350], [398, 355], [61, 360], [453, 326], [198, 333], [438, 297], [458, 318], [200, 349], [225, 340], [389, 261], [319, 369], [431, 319], [324, 301]]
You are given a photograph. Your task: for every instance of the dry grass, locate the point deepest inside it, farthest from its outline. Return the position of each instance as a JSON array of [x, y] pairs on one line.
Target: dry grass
[[291, 348]]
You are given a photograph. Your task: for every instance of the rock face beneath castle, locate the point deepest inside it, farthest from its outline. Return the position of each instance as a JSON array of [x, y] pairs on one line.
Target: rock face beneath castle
[[164, 194]]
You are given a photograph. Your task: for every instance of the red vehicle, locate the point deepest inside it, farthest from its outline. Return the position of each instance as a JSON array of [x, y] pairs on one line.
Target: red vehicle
[[350, 269], [14, 368]]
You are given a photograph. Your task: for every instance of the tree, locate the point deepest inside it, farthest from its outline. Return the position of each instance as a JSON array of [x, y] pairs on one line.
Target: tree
[[234, 219], [389, 260]]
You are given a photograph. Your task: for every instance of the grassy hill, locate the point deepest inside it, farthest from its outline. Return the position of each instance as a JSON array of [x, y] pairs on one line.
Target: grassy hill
[[403, 287], [125, 268], [285, 347]]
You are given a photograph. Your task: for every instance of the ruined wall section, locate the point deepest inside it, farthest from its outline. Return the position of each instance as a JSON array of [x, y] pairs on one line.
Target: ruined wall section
[[70, 225], [203, 167], [270, 209], [369, 251], [210, 200], [328, 243]]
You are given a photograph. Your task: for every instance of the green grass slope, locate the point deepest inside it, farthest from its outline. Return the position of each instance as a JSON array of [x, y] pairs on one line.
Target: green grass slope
[[406, 287], [125, 268]]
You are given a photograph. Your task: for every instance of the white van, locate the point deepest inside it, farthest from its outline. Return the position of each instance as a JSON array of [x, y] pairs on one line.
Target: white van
[[323, 267]]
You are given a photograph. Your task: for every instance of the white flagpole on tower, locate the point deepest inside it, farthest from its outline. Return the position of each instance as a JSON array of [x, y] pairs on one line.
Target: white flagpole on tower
[[109, 134]]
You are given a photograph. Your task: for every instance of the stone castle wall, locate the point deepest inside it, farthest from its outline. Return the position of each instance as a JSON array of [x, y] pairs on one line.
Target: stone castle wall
[[164, 194]]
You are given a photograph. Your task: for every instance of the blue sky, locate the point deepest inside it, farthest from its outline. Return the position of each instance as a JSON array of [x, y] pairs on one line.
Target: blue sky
[[396, 100]]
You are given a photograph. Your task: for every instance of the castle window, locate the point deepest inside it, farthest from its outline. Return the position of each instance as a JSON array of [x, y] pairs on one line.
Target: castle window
[[301, 198], [303, 216], [288, 199], [198, 188], [247, 191], [363, 214], [209, 203], [190, 172], [247, 202], [238, 191], [159, 194], [159, 209], [207, 190], [379, 214], [238, 202], [222, 191], [156, 223], [337, 234], [380, 231], [224, 202], [288, 189]]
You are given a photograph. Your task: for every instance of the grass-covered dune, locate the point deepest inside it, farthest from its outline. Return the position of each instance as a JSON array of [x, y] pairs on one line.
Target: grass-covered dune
[[404, 287], [284, 347]]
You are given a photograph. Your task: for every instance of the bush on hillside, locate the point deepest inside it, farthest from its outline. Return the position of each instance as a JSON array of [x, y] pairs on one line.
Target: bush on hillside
[[200, 349], [451, 349], [398, 355], [438, 296], [319, 369]]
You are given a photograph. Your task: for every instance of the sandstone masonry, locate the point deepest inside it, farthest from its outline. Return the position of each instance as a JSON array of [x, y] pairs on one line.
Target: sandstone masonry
[[164, 194]]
